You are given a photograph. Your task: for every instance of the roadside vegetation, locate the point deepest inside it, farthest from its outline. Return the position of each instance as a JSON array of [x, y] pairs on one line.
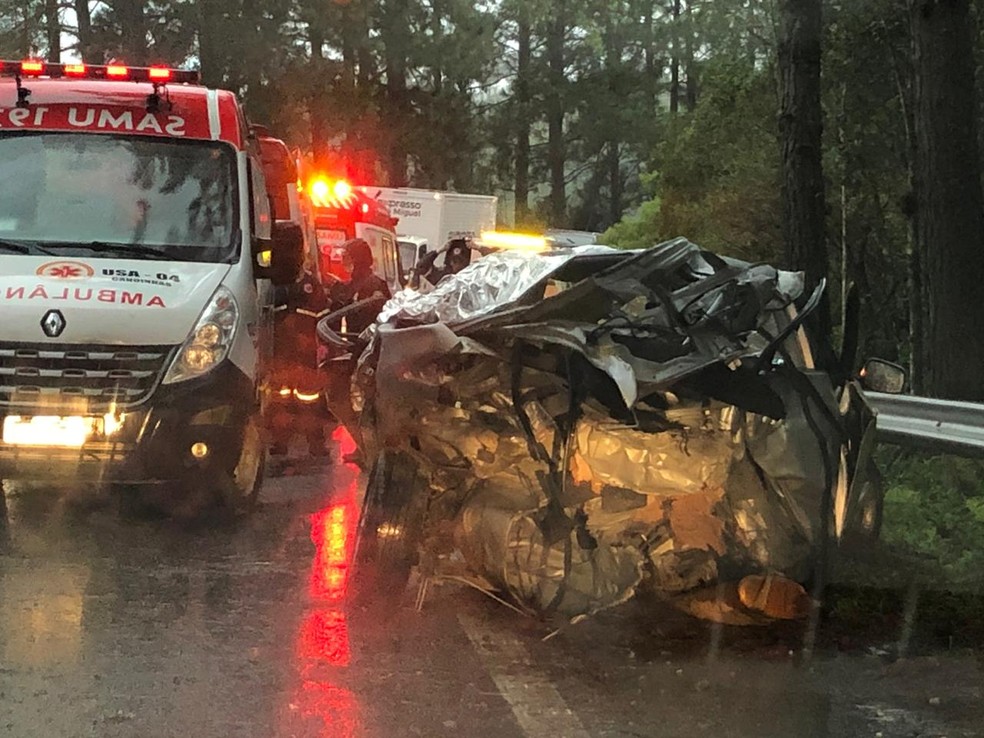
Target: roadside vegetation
[[934, 508]]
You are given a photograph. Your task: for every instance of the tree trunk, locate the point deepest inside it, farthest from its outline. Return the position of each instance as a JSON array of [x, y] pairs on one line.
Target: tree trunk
[[613, 58], [210, 44], [83, 16], [521, 188], [690, 64], [675, 59], [437, 28], [317, 103], [614, 156], [556, 150], [652, 73], [394, 33], [350, 43], [52, 30], [948, 198], [800, 130], [133, 26], [916, 297], [26, 28], [367, 69]]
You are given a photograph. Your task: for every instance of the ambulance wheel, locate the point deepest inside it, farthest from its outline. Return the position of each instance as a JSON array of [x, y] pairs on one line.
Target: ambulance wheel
[[240, 490], [389, 532]]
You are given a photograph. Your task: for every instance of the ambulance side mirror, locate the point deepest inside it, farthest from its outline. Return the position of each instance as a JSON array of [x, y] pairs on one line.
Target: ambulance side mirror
[[282, 257]]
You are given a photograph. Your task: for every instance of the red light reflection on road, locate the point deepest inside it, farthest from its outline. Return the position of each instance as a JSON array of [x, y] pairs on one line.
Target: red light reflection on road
[[324, 637], [332, 531], [346, 444], [335, 709], [320, 706]]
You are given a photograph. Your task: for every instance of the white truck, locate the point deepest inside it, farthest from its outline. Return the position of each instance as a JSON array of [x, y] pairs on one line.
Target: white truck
[[428, 219], [138, 255]]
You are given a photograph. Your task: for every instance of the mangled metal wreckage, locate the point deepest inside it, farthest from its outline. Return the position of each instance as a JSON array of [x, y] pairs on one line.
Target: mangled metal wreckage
[[572, 427]]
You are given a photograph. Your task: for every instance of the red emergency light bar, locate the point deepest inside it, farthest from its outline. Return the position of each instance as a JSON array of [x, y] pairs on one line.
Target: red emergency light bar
[[114, 72], [327, 194]]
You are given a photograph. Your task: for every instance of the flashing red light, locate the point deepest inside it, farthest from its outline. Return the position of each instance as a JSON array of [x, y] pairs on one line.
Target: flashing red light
[[326, 193], [343, 190], [320, 190], [114, 72], [32, 66]]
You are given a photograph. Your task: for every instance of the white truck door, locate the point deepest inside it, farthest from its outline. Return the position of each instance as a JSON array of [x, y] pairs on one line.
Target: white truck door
[[382, 262]]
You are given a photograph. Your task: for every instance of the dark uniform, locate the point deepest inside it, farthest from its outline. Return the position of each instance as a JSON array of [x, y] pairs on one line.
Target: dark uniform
[[363, 285], [457, 255], [297, 384]]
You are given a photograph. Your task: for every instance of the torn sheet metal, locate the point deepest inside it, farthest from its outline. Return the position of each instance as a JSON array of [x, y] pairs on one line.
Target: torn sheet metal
[[592, 422], [502, 537], [674, 462]]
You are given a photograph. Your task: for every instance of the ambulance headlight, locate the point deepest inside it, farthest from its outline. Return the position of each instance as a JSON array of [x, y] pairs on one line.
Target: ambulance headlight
[[209, 342]]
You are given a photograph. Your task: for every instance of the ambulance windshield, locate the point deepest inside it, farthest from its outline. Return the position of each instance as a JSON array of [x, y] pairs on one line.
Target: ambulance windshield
[[67, 190]]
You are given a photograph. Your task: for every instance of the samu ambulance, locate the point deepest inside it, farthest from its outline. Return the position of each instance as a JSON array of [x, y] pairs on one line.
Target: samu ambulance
[[137, 262], [343, 212]]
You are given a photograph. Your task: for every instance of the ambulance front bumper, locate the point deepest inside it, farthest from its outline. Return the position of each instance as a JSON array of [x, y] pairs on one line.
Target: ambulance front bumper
[[178, 431]]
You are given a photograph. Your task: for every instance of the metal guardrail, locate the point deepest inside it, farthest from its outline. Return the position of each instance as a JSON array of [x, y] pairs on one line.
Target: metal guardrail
[[939, 425]]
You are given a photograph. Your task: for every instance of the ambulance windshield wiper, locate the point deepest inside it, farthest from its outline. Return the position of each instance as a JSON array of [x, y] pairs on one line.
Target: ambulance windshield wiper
[[118, 248], [28, 248]]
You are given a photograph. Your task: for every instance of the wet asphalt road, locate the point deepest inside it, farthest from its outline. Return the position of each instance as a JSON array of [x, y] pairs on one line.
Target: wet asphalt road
[[112, 627]]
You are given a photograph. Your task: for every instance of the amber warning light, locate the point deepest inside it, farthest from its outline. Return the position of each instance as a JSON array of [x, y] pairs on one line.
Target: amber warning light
[[113, 72]]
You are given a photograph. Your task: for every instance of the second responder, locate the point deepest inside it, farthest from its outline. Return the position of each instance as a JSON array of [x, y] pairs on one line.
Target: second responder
[[298, 402], [457, 255], [362, 285]]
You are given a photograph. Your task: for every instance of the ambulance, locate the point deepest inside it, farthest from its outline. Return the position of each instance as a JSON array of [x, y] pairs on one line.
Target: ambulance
[[138, 257], [343, 212]]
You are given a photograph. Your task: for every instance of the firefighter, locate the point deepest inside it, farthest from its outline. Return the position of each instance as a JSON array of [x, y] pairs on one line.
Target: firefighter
[[297, 384], [362, 284]]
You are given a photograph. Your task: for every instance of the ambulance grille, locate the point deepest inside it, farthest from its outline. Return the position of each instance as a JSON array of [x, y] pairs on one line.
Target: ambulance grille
[[37, 375]]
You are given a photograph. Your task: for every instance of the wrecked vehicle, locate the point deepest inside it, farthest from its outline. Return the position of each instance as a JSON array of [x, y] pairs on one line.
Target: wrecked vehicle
[[571, 428]]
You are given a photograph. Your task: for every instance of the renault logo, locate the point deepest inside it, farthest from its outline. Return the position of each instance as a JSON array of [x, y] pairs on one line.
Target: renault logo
[[53, 323]]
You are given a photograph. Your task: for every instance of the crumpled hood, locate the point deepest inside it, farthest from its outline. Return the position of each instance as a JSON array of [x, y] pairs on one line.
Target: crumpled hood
[[104, 300]]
